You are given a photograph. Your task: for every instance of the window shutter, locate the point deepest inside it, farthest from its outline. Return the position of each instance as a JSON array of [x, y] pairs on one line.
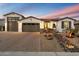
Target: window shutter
[[62, 24], [69, 24]]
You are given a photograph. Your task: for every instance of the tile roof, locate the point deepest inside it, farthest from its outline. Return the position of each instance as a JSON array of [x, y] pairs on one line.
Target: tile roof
[[53, 19]]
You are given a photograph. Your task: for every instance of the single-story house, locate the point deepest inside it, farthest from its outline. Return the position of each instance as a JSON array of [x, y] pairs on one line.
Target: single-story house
[[18, 23]]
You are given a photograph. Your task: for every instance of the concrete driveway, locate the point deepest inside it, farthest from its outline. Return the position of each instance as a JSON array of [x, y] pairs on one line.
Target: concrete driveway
[[27, 41]]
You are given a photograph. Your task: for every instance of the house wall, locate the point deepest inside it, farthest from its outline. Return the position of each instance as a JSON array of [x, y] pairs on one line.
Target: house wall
[[11, 15], [59, 24], [19, 26], [50, 24], [30, 20], [41, 24], [53, 22]]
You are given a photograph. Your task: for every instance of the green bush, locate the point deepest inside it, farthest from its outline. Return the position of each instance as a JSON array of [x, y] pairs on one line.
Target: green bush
[[73, 30]]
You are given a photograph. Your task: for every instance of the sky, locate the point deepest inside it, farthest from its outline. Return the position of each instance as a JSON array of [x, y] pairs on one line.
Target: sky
[[42, 10]]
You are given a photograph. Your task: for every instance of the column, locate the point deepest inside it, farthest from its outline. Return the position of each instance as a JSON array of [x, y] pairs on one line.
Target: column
[[5, 25], [19, 27], [72, 24]]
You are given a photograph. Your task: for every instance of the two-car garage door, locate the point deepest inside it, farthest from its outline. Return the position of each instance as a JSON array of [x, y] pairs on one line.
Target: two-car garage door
[[30, 27]]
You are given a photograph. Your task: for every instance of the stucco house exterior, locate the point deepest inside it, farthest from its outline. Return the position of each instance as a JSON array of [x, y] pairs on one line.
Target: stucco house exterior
[[15, 22]]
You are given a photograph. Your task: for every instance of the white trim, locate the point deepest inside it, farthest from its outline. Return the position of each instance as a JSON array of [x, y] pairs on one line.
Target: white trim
[[19, 27], [5, 25]]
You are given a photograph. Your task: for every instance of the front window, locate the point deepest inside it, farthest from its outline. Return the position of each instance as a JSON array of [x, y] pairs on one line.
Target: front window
[[12, 18], [66, 24]]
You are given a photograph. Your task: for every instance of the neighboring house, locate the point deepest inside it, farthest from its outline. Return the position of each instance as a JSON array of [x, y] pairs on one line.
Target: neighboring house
[[19, 23]]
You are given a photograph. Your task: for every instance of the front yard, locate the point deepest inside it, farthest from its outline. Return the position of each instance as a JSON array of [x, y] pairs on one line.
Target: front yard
[[34, 42], [70, 44]]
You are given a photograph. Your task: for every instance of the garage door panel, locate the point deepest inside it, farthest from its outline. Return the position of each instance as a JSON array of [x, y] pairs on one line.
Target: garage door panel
[[30, 27], [12, 26]]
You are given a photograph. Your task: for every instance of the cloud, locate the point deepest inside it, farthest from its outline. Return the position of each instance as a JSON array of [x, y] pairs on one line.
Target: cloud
[[63, 12], [72, 15]]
